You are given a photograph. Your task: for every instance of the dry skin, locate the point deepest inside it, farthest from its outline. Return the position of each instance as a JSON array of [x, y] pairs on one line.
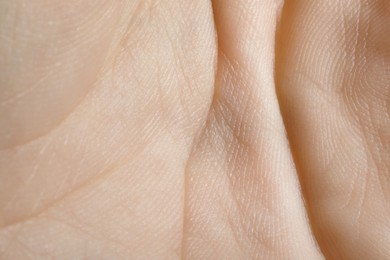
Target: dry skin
[[164, 129]]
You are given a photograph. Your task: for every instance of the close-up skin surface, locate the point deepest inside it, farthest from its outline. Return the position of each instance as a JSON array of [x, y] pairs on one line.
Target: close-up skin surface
[[182, 129]]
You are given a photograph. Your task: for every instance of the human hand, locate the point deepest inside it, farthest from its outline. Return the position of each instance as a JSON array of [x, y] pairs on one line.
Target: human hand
[[189, 129]]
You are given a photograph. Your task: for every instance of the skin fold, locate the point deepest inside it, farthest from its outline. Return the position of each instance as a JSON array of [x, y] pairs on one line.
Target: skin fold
[[166, 129]]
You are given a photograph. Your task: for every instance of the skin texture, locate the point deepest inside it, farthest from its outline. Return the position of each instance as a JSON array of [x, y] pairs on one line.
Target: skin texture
[[219, 129]]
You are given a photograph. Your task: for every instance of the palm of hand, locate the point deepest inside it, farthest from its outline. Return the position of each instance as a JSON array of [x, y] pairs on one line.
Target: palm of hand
[[156, 140]]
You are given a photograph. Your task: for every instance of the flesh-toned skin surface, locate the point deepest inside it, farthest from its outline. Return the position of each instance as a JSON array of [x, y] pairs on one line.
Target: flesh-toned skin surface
[[166, 129]]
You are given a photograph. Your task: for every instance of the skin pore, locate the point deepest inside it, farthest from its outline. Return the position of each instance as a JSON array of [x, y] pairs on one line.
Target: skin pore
[[222, 129]]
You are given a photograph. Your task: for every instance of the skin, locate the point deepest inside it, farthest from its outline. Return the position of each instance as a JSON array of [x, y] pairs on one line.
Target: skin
[[219, 129]]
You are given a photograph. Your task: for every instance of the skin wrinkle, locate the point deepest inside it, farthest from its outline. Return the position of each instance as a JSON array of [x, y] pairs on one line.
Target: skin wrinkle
[[194, 146], [18, 96], [30, 177], [233, 160], [170, 109], [235, 128], [283, 24], [123, 40], [88, 183], [366, 123], [24, 93], [48, 132], [109, 59], [356, 98], [107, 171]]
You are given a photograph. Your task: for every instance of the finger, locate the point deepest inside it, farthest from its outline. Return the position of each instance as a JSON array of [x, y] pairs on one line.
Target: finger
[[334, 86], [242, 192]]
